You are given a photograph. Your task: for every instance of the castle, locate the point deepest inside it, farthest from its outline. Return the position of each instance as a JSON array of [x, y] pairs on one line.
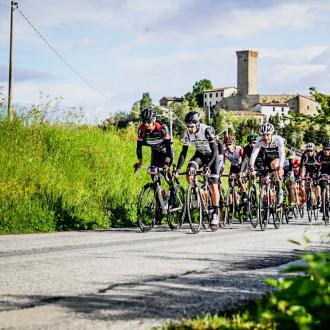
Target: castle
[[244, 99]]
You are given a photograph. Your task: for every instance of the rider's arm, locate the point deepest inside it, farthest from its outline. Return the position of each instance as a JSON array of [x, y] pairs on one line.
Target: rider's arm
[[302, 161], [210, 136], [281, 152], [182, 157], [169, 152], [215, 152], [254, 154], [139, 149]]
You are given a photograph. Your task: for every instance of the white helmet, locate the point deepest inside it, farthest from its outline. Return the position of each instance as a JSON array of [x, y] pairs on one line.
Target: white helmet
[[310, 146], [267, 128]]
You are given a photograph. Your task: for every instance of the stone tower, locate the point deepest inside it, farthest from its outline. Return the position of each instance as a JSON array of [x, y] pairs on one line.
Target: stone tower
[[246, 72]]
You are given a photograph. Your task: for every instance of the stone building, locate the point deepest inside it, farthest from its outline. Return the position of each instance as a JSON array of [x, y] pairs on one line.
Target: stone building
[[165, 101], [247, 98]]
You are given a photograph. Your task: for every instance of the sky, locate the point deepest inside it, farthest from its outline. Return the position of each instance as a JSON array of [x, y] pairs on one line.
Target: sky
[[124, 48]]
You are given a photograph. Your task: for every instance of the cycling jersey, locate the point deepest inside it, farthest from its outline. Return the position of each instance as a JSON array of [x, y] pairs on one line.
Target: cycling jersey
[[234, 157], [272, 150], [200, 140], [206, 154], [158, 139], [324, 162], [308, 161]]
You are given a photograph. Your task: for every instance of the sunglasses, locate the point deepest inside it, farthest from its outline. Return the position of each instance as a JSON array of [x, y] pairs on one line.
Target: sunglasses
[[191, 126]]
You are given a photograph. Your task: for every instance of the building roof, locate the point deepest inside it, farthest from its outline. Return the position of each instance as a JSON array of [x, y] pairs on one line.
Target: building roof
[[218, 89], [172, 98], [273, 104]]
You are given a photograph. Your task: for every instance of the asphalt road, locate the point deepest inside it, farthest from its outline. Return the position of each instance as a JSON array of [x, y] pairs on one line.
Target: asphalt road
[[124, 279]]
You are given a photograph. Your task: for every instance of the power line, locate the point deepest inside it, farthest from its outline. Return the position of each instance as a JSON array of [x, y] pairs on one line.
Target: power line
[[62, 58]]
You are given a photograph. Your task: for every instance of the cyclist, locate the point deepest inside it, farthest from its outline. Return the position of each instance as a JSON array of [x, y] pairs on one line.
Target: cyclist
[[309, 168], [274, 153], [154, 135], [323, 158], [202, 137], [235, 155], [289, 177], [251, 138]]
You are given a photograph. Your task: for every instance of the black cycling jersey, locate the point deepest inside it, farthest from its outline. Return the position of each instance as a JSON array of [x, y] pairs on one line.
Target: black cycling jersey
[[308, 161], [158, 139], [324, 162]]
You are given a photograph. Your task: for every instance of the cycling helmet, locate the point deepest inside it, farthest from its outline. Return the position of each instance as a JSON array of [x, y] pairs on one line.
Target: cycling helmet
[[193, 117], [267, 128], [310, 146], [252, 137], [147, 114], [229, 139], [326, 144]]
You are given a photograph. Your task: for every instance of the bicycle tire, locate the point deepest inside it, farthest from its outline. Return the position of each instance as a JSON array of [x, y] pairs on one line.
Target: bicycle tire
[[222, 208], [263, 211], [147, 207], [277, 217], [194, 209], [325, 205], [176, 211], [229, 215], [253, 206]]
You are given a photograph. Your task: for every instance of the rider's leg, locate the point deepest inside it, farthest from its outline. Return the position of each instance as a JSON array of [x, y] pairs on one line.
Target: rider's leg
[[275, 165]]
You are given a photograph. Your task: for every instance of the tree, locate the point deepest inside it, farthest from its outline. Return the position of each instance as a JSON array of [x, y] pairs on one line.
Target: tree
[[135, 111], [145, 102], [195, 98]]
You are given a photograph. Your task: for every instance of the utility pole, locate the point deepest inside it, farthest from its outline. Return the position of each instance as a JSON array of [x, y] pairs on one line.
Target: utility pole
[[14, 5]]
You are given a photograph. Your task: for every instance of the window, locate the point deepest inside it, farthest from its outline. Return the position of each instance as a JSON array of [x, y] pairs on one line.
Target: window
[[221, 94], [205, 96], [210, 103], [210, 95], [273, 108], [282, 109], [205, 103], [308, 107], [216, 94]]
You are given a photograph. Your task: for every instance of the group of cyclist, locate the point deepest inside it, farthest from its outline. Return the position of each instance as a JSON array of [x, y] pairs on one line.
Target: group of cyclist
[[267, 151]]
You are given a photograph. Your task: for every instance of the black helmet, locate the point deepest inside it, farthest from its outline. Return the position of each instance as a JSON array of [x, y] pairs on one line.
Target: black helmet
[[326, 144], [147, 114], [252, 137], [193, 117]]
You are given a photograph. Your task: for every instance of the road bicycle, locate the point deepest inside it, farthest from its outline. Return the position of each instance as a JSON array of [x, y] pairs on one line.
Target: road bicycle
[[325, 197], [199, 205], [234, 207], [164, 196], [268, 210], [253, 201], [311, 198]]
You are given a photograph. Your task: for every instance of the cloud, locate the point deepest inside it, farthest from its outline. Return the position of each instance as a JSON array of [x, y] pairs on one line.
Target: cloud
[[24, 74]]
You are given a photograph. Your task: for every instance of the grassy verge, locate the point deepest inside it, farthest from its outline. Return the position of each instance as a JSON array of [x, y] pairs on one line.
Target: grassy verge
[[298, 302]]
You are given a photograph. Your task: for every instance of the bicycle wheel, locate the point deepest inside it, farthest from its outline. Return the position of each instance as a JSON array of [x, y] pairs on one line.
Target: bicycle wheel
[[325, 205], [194, 209], [230, 209], [277, 217], [147, 207], [301, 209], [264, 209], [222, 208], [176, 208], [253, 206]]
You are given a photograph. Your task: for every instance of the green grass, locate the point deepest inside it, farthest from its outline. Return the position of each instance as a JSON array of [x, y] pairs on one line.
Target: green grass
[[61, 178]]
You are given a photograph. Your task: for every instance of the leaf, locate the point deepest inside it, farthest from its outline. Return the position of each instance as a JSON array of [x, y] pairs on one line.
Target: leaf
[[294, 242]]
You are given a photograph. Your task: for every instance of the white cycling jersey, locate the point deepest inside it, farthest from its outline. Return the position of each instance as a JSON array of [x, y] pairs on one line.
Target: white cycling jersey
[[272, 150], [199, 140], [234, 157]]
